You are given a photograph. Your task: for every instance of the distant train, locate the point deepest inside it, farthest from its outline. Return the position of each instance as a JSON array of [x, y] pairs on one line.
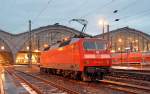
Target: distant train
[[124, 58], [87, 59], [131, 58]]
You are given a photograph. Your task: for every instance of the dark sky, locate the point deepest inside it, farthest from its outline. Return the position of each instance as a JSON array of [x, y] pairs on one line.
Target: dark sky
[[14, 14]]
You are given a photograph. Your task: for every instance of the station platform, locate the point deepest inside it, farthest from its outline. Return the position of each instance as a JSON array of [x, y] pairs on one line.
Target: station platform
[[10, 85], [29, 69], [139, 67]]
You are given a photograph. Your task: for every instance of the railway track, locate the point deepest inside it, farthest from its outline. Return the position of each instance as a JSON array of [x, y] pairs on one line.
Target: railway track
[[129, 81], [86, 87], [131, 74], [40, 85], [117, 86], [129, 88]]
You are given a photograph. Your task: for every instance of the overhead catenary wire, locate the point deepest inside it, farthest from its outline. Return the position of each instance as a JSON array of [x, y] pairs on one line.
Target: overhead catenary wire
[[100, 9], [137, 15], [37, 16], [128, 5], [42, 10], [117, 11]]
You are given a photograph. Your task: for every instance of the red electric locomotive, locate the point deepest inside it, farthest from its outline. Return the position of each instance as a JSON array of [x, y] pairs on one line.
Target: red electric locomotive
[[79, 58]]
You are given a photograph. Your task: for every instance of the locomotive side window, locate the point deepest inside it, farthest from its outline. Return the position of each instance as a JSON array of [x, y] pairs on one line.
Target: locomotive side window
[[94, 45]]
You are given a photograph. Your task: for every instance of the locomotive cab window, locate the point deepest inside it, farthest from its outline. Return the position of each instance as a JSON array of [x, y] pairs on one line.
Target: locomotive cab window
[[88, 45], [100, 45], [94, 45]]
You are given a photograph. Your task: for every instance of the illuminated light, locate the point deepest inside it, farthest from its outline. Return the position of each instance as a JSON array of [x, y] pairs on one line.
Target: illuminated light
[[112, 51], [102, 22], [65, 39], [136, 40], [60, 49], [119, 49], [36, 50], [27, 47], [2, 48], [45, 45], [128, 48], [120, 40]]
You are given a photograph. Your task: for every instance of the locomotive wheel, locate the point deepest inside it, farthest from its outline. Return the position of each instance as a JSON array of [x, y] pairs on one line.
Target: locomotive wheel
[[65, 74], [85, 77], [101, 76], [74, 75], [41, 70]]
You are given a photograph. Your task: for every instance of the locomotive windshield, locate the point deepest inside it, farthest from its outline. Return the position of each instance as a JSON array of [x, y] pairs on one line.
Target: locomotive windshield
[[94, 45]]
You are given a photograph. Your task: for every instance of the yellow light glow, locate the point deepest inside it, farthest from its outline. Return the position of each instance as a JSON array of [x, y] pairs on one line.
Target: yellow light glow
[[65, 39], [112, 51], [136, 40], [45, 45], [120, 40], [36, 50], [60, 49], [2, 48], [119, 49], [27, 47], [102, 22]]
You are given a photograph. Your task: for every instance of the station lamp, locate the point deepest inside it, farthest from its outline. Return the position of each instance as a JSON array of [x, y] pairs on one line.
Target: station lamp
[[27, 47], [119, 48], [113, 51], [45, 45], [103, 22], [2, 48], [36, 50], [120, 40], [65, 39], [128, 48], [136, 40]]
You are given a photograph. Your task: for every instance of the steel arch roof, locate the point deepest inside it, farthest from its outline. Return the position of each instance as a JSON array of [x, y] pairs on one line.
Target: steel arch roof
[[126, 29]]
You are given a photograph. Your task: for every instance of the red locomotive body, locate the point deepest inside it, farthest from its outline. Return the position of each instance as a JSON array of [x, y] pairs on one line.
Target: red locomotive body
[[83, 58]]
